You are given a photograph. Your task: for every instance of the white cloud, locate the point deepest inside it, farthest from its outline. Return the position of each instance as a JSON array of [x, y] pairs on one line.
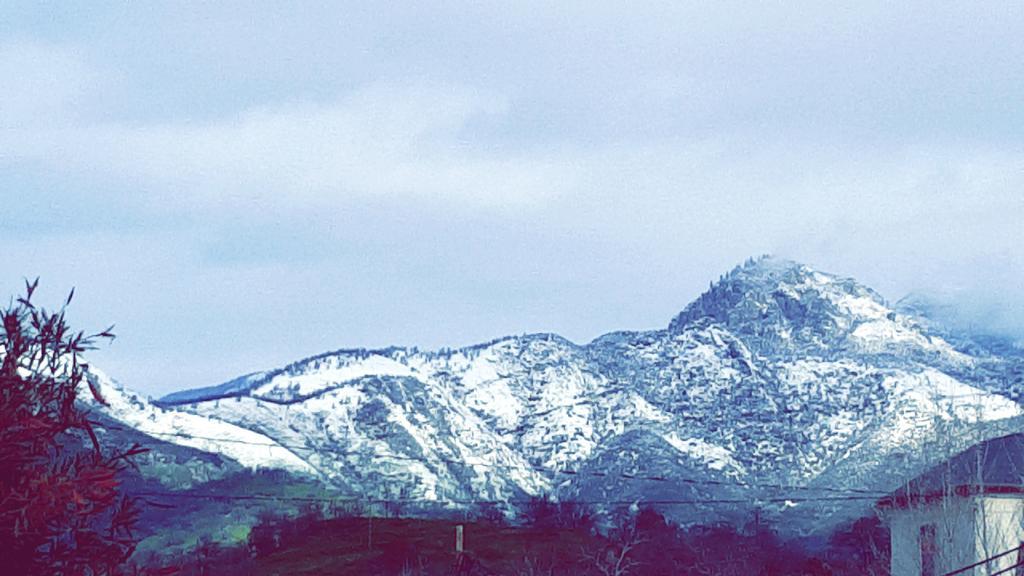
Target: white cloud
[[41, 85], [387, 139], [560, 167]]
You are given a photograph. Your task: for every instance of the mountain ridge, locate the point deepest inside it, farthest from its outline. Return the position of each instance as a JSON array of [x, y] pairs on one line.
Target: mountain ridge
[[777, 375]]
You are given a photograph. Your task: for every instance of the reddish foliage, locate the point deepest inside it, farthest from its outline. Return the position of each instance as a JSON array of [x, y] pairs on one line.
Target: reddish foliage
[[61, 511]]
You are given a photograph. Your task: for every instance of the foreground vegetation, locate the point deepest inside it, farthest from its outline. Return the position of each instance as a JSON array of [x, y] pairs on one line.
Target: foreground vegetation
[[62, 509], [552, 542]]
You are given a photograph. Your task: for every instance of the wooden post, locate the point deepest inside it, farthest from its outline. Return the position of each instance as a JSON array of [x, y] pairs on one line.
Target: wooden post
[[458, 539]]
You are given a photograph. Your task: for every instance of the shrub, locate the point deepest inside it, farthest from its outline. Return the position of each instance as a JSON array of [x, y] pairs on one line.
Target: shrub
[[61, 510]]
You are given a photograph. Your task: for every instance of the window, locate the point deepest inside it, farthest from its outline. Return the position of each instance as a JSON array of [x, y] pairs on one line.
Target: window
[[929, 549]]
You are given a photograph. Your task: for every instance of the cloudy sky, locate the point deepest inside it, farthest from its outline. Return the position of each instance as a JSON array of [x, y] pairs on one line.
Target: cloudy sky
[[239, 187]]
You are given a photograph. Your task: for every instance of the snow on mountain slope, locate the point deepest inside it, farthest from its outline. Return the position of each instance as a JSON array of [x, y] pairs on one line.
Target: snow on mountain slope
[[782, 307], [382, 435], [777, 375], [940, 395], [714, 457], [329, 371], [246, 447]]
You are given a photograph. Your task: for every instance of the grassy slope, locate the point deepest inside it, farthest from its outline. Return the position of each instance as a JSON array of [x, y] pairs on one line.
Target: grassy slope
[[208, 511]]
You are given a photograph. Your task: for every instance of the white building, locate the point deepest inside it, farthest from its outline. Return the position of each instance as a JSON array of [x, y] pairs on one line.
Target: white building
[[965, 516]]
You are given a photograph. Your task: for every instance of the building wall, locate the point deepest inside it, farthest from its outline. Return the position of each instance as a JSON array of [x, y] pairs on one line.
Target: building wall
[[957, 544], [967, 530], [999, 528]]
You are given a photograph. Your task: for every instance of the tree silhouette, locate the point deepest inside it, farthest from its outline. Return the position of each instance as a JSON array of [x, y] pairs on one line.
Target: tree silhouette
[[61, 510]]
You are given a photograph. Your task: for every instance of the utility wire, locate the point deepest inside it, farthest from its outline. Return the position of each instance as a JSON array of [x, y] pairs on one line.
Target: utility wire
[[1008, 569], [984, 562], [471, 501], [570, 472]]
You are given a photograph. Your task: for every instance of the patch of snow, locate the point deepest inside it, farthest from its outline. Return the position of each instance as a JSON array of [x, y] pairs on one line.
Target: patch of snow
[[496, 399], [481, 370], [883, 335], [948, 398], [862, 307], [248, 448], [715, 457], [313, 382], [644, 410]]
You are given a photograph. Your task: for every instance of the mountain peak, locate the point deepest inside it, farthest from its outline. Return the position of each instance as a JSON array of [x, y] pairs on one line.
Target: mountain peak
[[770, 270], [769, 300], [770, 263]]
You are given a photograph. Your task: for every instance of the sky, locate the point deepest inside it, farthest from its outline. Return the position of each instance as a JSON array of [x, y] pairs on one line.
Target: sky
[[240, 185]]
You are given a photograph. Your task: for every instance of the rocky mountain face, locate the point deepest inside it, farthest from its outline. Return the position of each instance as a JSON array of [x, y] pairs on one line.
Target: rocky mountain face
[[793, 391]]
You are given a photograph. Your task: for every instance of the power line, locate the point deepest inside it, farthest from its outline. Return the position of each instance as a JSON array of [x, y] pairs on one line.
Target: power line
[[571, 472], [473, 501], [980, 563], [1008, 569]]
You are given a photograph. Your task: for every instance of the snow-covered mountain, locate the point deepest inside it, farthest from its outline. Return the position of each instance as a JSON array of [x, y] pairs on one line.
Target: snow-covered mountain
[[793, 389]]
